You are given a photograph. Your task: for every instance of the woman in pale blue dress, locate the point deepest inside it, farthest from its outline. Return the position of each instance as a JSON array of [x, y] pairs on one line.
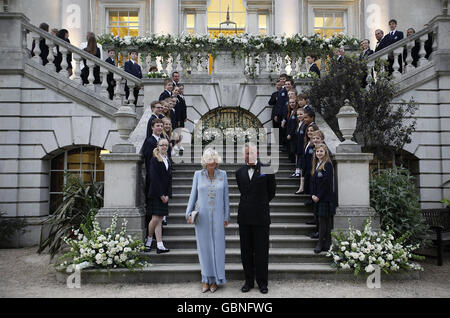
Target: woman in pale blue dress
[[209, 196]]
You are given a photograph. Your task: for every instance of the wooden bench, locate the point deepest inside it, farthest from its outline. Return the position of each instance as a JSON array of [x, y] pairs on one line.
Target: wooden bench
[[439, 222]]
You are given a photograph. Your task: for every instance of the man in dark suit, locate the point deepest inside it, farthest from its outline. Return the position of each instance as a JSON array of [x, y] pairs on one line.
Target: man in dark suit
[[180, 107], [175, 78], [168, 87], [110, 77], [134, 69], [257, 190], [366, 51], [157, 110], [382, 41], [414, 50], [392, 37]]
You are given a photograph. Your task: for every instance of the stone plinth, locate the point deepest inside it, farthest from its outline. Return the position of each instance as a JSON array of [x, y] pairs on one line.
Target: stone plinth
[[122, 171], [353, 188]]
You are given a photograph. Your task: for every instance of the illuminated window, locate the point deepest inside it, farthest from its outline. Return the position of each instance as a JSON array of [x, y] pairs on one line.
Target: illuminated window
[[262, 24], [217, 13], [123, 22], [327, 23], [84, 162], [190, 23]]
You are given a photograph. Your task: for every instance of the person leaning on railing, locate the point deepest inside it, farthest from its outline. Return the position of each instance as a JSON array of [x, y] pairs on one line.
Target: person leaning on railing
[[42, 46], [93, 49]]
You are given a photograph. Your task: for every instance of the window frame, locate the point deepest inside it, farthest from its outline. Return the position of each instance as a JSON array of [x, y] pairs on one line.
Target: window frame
[[333, 12], [104, 9]]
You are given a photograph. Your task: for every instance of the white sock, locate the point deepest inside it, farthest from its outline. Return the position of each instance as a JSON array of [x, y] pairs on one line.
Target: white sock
[[297, 170], [149, 241], [161, 246], [164, 218]]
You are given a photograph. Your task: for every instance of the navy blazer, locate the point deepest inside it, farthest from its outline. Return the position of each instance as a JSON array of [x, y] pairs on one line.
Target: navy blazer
[[365, 54], [273, 102], [308, 159], [173, 119], [322, 183], [147, 150], [314, 68], [133, 69], [161, 182], [149, 124], [255, 196], [164, 95], [180, 109], [391, 39], [384, 42], [291, 126], [281, 105], [301, 140], [110, 76]]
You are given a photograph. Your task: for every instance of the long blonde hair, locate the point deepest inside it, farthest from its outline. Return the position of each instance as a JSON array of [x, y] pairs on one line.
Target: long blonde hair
[[169, 134], [156, 152], [325, 159]]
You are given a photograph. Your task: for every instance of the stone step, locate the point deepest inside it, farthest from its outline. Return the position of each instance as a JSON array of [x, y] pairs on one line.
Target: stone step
[[233, 188], [233, 255], [226, 166], [190, 174], [180, 272], [233, 229], [278, 207], [276, 217], [232, 241], [176, 181], [235, 197]]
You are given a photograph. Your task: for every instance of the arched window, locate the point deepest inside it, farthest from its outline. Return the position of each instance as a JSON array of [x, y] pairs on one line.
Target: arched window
[[84, 162], [217, 13]]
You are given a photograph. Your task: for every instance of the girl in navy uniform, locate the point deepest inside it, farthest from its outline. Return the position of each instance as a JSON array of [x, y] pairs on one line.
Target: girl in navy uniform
[[323, 195], [291, 129], [160, 191], [308, 156], [308, 118]]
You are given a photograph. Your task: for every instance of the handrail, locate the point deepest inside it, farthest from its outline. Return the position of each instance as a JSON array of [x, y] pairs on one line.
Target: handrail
[[73, 49], [400, 43]]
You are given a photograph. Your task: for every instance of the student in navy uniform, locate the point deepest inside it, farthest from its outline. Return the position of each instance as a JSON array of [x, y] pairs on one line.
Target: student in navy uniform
[[302, 143], [110, 76], [280, 108], [93, 49], [134, 69], [288, 85], [313, 66], [149, 145], [273, 101], [299, 133], [157, 110], [63, 34], [175, 78], [322, 194], [308, 157], [291, 126], [42, 46], [366, 51], [168, 87], [159, 193], [414, 50], [392, 37], [180, 107]]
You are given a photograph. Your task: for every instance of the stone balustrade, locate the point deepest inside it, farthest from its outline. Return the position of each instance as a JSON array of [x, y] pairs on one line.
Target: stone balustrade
[[120, 76], [401, 54]]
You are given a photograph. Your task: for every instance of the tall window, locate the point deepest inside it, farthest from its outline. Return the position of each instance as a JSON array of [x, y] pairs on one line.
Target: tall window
[[190, 23], [217, 13], [123, 22], [327, 23], [262, 24], [84, 162]]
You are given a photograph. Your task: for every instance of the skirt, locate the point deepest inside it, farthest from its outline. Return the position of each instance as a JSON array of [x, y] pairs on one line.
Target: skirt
[[158, 208], [324, 209]]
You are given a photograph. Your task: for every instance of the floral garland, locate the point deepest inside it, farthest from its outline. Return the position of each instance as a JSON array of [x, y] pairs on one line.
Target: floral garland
[[241, 45]]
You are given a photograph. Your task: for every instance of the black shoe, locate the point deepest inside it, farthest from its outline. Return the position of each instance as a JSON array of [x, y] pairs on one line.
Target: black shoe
[[164, 222], [311, 222], [318, 248], [295, 175], [246, 288], [263, 290], [147, 249], [309, 202], [314, 235], [160, 251]]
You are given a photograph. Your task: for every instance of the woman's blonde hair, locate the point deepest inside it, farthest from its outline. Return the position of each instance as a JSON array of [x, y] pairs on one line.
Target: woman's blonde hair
[[156, 152], [325, 159], [169, 134], [209, 154], [320, 133]]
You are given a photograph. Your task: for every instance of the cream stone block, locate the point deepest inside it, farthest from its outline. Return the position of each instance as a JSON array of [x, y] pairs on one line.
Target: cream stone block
[[33, 208], [9, 137], [34, 180], [112, 139], [9, 151], [10, 94], [9, 123], [430, 166], [10, 209], [9, 181], [32, 151], [433, 180], [9, 195], [81, 130], [100, 128], [431, 194], [428, 152], [33, 194], [11, 109], [46, 138]]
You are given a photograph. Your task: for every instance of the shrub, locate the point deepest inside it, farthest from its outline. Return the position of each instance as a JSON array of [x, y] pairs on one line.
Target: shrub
[[8, 227], [81, 202], [394, 197]]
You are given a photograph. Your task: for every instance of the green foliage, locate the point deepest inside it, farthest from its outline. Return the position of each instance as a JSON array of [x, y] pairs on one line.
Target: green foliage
[[81, 202], [446, 202], [382, 126], [9, 226], [394, 197]]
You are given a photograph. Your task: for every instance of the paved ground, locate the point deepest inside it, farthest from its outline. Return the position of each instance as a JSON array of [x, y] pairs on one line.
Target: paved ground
[[23, 273]]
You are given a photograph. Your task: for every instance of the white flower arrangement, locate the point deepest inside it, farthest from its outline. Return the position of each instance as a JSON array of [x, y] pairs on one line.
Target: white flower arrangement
[[305, 75], [362, 250], [103, 249]]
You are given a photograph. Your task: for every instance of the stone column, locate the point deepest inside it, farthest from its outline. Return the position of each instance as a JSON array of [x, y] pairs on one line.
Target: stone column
[[287, 17], [165, 16], [122, 179]]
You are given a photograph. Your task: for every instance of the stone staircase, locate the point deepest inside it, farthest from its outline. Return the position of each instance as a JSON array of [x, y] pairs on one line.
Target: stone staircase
[[291, 250]]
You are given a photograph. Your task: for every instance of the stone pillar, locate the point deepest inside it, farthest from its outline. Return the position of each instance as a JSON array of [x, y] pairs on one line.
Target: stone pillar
[[165, 16], [122, 179], [287, 17]]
